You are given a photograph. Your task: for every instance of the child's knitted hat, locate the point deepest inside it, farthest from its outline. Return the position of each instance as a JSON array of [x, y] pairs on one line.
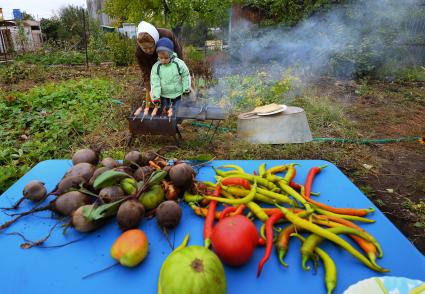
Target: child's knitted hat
[[165, 44]]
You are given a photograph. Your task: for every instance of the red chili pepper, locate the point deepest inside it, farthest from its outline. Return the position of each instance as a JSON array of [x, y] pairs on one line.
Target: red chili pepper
[[309, 181], [226, 211], [255, 173], [209, 220], [236, 182], [269, 239], [295, 186], [261, 241]]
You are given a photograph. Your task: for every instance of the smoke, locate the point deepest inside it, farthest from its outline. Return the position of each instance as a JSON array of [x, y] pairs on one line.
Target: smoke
[[349, 40]]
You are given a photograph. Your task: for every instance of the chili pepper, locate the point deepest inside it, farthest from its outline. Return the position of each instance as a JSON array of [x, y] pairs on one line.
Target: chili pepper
[[225, 173], [202, 211], [209, 184], [290, 174], [236, 182], [236, 191], [270, 211], [301, 188], [263, 198], [189, 198], [183, 244], [234, 166], [261, 241], [262, 195], [344, 216], [209, 220], [277, 169], [338, 210], [310, 176], [239, 210], [262, 170], [294, 194], [269, 239], [283, 242], [277, 196], [273, 178], [244, 200], [154, 165], [226, 211], [257, 211], [254, 173], [368, 247], [328, 263], [260, 181], [254, 207], [347, 223], [302, 223], [295, 185], [313, 240]]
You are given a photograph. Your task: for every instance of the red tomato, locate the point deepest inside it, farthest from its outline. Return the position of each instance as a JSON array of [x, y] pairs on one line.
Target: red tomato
[[234, 239]]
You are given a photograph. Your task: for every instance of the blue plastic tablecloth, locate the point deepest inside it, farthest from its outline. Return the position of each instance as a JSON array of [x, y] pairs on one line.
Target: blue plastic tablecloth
[[60, 270]]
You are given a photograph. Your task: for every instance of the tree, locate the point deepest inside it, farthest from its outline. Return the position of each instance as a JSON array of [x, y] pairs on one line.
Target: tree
[[288, 12], [173, 14], [27, 16], [51, 28], [71, 18]]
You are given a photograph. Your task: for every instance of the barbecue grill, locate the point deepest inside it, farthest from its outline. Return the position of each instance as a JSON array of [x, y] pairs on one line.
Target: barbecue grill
[[165, 126]]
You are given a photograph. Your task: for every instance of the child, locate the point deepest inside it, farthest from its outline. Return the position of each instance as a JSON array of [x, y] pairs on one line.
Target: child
[[170, 78]]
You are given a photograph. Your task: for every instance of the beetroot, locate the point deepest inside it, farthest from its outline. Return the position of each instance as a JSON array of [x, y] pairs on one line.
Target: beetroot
[[143, 173], [97, 173], [111, 194], [181, 175], [81, 224], [168, 214], [110, 162], [67, 203], [69, 183], [83, 169], [130, 214], [134, 159], [85, 155]]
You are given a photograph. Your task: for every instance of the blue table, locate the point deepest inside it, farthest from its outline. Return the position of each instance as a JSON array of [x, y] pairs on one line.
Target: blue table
[[59, 270]]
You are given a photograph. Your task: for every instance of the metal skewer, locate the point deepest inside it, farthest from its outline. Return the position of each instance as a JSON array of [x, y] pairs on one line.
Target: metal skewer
[[143, 107]]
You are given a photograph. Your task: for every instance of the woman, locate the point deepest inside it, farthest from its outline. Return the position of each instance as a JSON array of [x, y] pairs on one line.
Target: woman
[[146, 55]]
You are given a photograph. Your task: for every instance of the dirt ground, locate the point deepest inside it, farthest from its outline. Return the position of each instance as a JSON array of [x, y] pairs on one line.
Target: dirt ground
[[396, 182]]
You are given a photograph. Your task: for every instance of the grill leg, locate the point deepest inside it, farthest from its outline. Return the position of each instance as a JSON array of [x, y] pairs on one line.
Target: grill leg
[[178, 133], [130, 141]]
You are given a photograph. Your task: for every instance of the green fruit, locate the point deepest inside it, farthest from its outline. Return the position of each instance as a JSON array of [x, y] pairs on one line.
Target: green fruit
[[152, 198], [129, 186], [193, 269], [109, 178]]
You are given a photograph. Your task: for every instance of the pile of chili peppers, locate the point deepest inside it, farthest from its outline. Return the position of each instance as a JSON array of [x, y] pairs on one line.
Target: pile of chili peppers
[[239, 191]]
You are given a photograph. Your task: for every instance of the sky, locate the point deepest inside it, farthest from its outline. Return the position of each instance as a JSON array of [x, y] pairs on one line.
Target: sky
[[38, 8]]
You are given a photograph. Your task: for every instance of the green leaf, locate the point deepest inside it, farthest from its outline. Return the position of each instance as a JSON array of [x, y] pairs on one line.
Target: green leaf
[[102, 211], [420, 225]]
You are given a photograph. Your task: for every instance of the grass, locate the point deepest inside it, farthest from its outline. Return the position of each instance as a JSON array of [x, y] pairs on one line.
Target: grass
[[47, 121]]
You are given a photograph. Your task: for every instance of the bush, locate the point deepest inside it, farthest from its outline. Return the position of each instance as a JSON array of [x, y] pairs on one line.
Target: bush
[[121, 50], [243, 93], [192, 54]]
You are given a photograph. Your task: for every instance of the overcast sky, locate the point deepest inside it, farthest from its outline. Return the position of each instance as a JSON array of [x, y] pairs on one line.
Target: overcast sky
[[38, 8]]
